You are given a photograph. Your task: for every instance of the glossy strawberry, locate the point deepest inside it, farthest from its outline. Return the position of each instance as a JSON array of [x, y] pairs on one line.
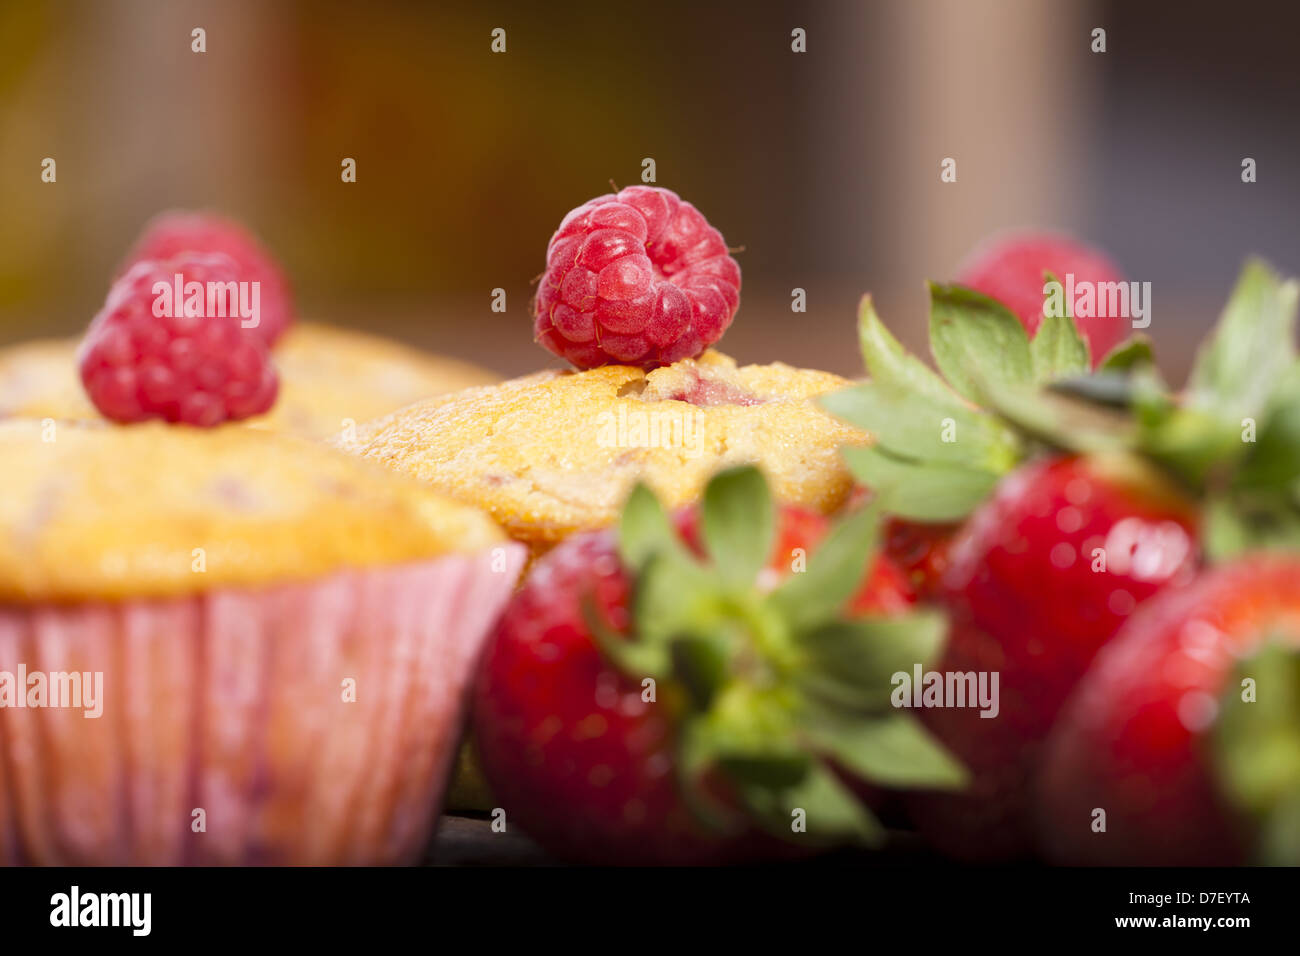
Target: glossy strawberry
[[641, 705], [1182, 744], [1042, 576], [1056, 556], [920, 551], [1011, 269]]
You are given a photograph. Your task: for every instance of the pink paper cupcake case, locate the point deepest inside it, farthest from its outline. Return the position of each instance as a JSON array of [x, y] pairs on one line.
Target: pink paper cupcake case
[[232, 702]]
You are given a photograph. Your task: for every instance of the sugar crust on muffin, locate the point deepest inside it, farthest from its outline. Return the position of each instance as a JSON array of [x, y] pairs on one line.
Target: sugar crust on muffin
[[93, 511], [555, 452], [327, 375]]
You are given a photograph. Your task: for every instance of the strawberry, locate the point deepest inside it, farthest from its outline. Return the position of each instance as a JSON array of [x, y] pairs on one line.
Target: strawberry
[[641, 703], [1012, 268], [1056, 468], [920, 550], [1182, 744], [1043, 574]]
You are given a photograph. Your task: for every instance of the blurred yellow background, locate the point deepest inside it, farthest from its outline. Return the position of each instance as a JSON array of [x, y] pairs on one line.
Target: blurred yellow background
[[823, 166]]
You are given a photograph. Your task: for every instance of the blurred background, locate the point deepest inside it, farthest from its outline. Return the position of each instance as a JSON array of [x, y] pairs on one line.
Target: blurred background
[[823, 165]]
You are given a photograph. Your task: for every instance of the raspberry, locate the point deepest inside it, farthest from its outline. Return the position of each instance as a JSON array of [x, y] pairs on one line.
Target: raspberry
[[172, 233], [637, 278], [1010, 269], [198, 369]]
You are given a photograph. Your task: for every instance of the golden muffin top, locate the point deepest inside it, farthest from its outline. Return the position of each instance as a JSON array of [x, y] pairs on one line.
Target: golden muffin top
[[555, 452], [328, 376], [96, 511]]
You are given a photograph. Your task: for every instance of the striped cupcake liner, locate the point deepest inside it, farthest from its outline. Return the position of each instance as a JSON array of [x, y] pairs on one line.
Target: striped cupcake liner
[[309, 723]]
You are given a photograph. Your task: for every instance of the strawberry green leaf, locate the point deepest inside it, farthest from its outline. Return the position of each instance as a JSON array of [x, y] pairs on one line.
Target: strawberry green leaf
[[696, 760], [936, 455], [893, 750], [1061, 419], [739, 523], [675, 596], [891, 364], [1057, 349], [1250, 349], [974, 337], [771, 770], [644, 529], [1237, 523], [1133, 352], [1224, 534], [835, 572], [1256, 746], [702, 663], [749, 733], [914, 426], [1198, 445], [851, 663], [918, 491], [828, 809], [1280, 840], [635, 658], [1274, 461]]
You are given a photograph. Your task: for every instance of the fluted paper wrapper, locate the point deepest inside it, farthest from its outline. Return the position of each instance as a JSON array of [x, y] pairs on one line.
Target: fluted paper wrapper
[[235, 703]]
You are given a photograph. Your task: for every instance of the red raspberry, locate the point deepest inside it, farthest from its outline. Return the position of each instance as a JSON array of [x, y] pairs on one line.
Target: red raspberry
[[197, 369], [172, 233], [1010, 269], [638, 278]]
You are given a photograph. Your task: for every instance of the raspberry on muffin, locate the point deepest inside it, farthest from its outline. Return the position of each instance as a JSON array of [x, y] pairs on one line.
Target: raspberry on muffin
[[181, 231], [285, 636], [184, 356], [637, 278], [555, 452], [328, 375]]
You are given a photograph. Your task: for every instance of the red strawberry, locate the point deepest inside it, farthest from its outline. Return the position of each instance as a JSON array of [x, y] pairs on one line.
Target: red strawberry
[[1032, 600], [920, 550], [1158, 736], [916, 549], [1044, 573], [1011, 268], [729, 699]]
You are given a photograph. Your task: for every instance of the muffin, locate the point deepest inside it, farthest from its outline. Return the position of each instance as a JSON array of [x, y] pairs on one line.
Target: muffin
[[278, 640], [555, 452], [329, 376]]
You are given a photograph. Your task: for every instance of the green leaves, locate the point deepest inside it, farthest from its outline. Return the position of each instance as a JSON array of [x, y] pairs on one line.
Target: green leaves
[[1058, 350], [831, 813], [852, 662], [919, 491], [1233, 436], [643, 529], [1250, 349], [974, 338], [1062, 418], [888, 362], [1256, 747], [1134, 352], [772, 687], [738, 521], [919, 428], [835, 571], [893, 751], [935, 455]]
